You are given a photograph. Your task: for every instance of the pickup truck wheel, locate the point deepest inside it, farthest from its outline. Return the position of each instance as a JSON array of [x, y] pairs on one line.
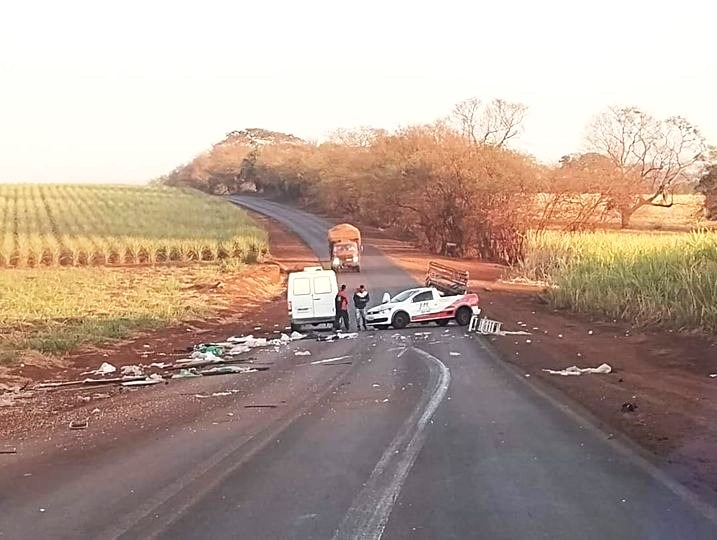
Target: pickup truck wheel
[[443, 322], [401, 320], [463, 316]]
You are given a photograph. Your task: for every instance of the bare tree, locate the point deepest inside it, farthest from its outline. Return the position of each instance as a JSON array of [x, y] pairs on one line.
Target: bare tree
[[493, 123], [650, 155]]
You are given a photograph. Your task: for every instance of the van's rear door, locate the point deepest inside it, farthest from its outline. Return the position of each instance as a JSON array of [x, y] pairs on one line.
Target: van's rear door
[[323, 297], [301, 297]]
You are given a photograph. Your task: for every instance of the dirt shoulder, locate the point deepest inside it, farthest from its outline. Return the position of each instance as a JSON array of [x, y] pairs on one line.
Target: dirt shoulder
[[664, 375], [255, 304]]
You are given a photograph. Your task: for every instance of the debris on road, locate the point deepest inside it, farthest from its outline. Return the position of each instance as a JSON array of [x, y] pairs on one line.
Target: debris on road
[[225, 370], [302, 353], [79, 424], [105, 369], [339, 335], [132, 370], [713, 375], [152, 379], [186, 373], [260, 406], [454, 353], [628, 407], [214, 394], [336, 359], [574, 370]]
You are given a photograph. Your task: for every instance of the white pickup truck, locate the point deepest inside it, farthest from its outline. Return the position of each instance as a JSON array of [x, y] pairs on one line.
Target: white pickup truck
[[421, 305]]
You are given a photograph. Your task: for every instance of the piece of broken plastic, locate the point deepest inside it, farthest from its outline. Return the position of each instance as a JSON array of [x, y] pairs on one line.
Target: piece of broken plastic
[[221, 370], [575, 370], [186, 374]]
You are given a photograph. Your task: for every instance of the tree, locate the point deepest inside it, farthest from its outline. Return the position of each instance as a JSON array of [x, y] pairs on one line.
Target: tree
[[708, 185], [647, 155], [493, 123]]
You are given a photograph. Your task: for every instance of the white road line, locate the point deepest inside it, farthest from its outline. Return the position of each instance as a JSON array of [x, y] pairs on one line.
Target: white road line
[[368, 515]]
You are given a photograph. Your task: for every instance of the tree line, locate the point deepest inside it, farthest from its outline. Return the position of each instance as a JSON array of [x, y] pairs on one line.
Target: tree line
[[456, 184]]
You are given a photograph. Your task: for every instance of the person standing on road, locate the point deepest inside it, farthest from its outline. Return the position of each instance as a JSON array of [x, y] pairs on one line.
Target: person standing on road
[[342, 309], [361, 299]]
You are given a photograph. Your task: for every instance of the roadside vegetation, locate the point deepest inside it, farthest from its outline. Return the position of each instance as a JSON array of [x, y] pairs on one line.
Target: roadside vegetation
[[68, 225], [458, 187], [667, 280], [86, 264]]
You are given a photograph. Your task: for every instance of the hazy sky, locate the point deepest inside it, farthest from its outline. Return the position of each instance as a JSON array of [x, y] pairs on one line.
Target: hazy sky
[[124, 91]]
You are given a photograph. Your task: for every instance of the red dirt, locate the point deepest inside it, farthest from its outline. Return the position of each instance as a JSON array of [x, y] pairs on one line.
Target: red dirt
[[666, 375]]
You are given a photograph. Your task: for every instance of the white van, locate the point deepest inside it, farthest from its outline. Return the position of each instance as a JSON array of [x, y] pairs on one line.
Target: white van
[[311, 294]]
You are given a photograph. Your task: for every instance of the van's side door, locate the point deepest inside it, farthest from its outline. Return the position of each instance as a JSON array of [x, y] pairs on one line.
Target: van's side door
[[323, 297], [302, 300]]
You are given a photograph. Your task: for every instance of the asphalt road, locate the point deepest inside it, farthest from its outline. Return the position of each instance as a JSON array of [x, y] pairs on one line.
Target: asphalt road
[[421, 433]]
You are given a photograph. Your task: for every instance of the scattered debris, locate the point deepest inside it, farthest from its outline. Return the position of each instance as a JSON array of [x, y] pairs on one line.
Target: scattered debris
[[152, 379], [209, 348], [79, 424], [336, 359], [96, 411], [214, 394], [225, 370], [713, 375], [188, 373], [131, 370], [260, 406], [100, 396], [295, 336], [454, 353], [105, 369], [8, 450], [302, 353], [628, 407], [239, 349], [574, 370], [375, 385]]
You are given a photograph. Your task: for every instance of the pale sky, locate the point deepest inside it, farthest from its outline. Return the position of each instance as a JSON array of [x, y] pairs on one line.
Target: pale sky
[[124, 91]]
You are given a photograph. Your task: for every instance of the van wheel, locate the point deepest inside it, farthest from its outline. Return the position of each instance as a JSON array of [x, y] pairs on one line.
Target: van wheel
[[443, 322], [463, 316], [401, 320]]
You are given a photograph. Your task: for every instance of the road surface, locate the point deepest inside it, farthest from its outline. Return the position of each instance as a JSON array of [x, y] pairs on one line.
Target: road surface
[[421, 433]]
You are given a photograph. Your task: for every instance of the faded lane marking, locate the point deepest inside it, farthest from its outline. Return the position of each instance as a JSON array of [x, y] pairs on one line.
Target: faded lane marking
[[368, 515]]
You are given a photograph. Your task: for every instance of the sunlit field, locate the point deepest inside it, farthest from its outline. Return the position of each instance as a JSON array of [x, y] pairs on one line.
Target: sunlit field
[[66, 225], [667, 280]]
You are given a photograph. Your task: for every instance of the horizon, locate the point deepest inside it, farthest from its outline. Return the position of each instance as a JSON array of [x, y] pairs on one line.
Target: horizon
[[83, 103]]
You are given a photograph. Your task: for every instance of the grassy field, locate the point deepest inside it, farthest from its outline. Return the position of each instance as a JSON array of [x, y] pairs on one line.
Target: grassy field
[[66, 225], [52, 311], [658, 279], [86, 264]]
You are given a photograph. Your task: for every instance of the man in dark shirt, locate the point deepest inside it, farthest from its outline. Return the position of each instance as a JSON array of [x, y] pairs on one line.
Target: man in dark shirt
[[361, 299]]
